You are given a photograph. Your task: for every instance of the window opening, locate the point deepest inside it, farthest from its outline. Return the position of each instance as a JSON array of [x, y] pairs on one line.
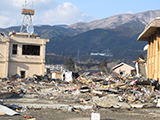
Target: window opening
[[30, 50], [14, 49], [122, 73], [22, 74]]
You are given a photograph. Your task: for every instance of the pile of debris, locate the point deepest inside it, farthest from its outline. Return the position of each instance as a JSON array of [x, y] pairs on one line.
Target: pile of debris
[[88, 92]]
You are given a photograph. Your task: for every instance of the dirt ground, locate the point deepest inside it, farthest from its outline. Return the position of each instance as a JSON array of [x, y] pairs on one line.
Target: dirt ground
[[105, 114]]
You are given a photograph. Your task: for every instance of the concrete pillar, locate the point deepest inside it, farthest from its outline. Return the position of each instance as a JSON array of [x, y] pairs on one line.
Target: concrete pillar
[[43, 47], [155, 56], [148, 58], [19, 49], [158, 47], [150, 72], [151, 53], [6, 67]]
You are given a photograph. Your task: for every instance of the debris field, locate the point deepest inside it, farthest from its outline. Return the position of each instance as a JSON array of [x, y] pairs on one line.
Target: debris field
[[85, 94]]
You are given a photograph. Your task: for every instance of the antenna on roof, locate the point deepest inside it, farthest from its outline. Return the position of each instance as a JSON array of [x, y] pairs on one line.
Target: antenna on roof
[[27, 19], [25, 4], [32, 4]]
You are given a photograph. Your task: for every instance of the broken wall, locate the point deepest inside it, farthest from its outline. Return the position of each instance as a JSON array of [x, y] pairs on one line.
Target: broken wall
[[29, 68]]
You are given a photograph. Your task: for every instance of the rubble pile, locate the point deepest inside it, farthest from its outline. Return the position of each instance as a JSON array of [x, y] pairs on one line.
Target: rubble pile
[[87, 92]]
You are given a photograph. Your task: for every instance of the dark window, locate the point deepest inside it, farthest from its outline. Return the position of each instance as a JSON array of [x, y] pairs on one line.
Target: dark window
[[22, 74], [30, 50], [14, 49], [121, 73]]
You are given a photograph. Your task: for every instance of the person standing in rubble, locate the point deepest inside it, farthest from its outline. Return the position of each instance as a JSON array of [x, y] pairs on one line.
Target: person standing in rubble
[[63, 76]]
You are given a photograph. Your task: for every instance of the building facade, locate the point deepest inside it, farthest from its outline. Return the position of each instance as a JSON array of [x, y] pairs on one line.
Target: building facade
[[122, 69], [151, 34], [22, 54]]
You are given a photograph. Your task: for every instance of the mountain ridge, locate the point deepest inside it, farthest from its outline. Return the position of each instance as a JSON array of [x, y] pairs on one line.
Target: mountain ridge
[[121, 41], [48, 31], [117, 20], [120, 36]]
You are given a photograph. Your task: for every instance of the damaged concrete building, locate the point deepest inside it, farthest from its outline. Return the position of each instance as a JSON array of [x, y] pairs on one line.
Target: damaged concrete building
[[22, 54], [151, 34]]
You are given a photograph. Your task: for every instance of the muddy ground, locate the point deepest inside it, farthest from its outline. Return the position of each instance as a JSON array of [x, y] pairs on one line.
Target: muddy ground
[[105, 114]]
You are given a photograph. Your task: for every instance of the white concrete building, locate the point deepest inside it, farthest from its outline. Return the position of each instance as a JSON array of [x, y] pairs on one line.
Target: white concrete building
[[22, 54]]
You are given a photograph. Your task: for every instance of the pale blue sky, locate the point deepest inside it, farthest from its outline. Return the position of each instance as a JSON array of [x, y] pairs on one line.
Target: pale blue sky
[[53, 12], [105, 8]]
